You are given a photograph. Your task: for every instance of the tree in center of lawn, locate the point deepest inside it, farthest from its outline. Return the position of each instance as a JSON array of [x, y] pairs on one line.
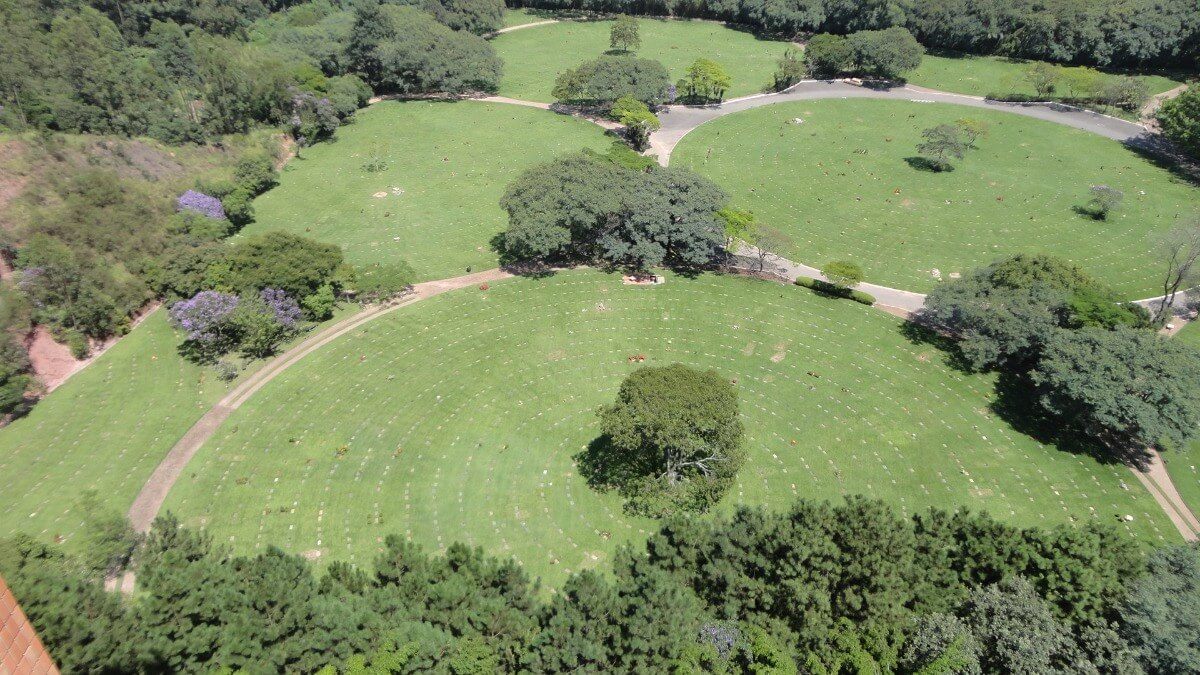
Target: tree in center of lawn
[[671, 442], [624, 35]]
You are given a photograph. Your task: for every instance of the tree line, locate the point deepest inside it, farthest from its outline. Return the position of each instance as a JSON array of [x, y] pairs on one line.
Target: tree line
[[816, 588], [1147, 33]]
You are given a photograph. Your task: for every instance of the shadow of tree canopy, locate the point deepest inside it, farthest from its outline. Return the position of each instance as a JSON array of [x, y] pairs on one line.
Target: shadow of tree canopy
[[606, 467]]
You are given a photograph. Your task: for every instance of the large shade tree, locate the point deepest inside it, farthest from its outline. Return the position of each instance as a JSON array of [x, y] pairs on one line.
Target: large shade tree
[[1127, 388], [672, 440]]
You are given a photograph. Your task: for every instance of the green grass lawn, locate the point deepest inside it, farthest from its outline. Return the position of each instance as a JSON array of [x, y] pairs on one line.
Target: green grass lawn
[[106, 429], [983, 75], [534, 57], [437, 203], [840, 185], [458, 418]]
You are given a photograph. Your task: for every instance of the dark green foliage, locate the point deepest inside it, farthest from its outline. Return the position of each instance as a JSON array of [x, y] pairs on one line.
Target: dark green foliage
[[108, 538], [291, 263], [255, 173], [1105, 32], [15, 374], [672, 441], [1162, 613], [380, 281], [85, 628], [405, 50], [474, 16], [603, 80], [886, 54], [1180, 119], [1002, 314], [1015, 630], [830, 588], [1126, 388], [583, 208], [791, 69]]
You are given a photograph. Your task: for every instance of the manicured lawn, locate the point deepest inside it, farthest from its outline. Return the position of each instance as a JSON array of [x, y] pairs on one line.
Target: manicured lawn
[[105, 429], [840, 185], [534, 57], [984, 75], [457, 419], [437, 203]]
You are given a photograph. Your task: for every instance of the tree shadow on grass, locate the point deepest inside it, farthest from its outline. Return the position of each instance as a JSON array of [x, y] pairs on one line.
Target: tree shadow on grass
[[1165, 155], [606, 467], [929, 165], [1017, 403], [918, 331]]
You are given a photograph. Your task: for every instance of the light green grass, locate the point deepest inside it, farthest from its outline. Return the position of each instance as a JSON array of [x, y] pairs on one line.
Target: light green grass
[[106, 428], [460, 416], [984, 75], [447, 167], [516, 17], [840, 186], [535, 56]]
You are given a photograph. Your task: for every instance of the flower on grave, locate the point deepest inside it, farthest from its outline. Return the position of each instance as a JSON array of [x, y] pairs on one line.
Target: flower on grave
[[205, 317], [283, 306], [198, 202]]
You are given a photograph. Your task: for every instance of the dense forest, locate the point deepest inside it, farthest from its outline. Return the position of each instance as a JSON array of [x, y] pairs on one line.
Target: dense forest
[[1146, 33], [818, 588]]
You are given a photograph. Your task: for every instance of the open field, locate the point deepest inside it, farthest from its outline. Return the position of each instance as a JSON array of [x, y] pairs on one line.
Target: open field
[[840, 185], [436, 204], [983, 75], [457, 419], [534, 57], [106, 429]]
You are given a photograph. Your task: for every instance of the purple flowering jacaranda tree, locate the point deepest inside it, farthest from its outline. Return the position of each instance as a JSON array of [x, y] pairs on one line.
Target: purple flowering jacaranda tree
[[198, 202]]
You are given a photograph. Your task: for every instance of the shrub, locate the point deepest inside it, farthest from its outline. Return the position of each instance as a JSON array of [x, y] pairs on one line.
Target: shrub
[[705, 81], [603, 80], [1180, 119], [637, 119], [843, 273], [255, 173]]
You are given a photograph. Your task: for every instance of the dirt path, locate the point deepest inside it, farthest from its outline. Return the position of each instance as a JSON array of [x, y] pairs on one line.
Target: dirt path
[[522, 26], [152, 495], [1158, 483], [1155, 102]]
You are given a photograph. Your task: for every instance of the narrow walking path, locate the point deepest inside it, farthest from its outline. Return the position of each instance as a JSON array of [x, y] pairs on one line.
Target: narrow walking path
[[1158, 483], [150, 499], [523, 26]]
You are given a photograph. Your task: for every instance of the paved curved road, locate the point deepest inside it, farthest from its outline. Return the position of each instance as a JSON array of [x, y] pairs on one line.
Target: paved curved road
[[678, 121]]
